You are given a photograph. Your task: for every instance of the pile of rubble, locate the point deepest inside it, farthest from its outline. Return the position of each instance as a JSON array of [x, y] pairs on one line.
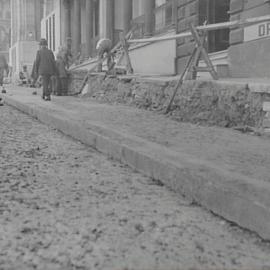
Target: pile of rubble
[[199, 102]]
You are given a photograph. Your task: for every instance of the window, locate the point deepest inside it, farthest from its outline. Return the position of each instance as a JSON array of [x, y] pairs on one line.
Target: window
[[53, 32], [163, 14], [215, 11], [50, 32], [47, 30], [49, 6]]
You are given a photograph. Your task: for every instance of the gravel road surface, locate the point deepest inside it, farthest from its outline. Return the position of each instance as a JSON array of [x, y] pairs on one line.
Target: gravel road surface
[[65, 206]]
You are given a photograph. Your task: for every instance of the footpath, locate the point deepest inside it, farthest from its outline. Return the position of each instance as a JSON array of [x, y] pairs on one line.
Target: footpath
[[222, 170]]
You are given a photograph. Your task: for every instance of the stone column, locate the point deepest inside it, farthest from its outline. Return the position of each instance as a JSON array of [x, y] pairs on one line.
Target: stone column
[[149, 22], [110, 19], [67, 19], [77, 26], [89, 26], [127, 15]]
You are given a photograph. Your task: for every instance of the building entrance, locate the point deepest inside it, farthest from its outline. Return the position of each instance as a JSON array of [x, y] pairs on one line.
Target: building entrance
[[215, 11]]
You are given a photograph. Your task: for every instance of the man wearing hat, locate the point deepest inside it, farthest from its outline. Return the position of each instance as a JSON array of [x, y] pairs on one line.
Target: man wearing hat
[[45, 67]]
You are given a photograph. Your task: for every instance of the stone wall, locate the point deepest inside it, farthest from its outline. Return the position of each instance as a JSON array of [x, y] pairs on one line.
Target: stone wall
[[187, 12], [206, 103]]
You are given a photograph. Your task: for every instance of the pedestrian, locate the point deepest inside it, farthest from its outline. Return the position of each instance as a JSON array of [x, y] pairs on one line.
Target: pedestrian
[[34, 75], [24, 76], [62, 76], [3, 68], [45, 67], [104, 47]]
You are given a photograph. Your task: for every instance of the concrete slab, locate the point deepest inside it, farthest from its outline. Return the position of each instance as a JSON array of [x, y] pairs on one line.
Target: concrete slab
[[243, 198]]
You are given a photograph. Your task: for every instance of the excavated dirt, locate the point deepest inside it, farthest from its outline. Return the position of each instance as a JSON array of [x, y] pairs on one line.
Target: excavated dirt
[[205, 103]]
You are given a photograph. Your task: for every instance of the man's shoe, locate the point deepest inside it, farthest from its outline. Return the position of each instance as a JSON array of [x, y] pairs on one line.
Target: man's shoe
[[48, 98]]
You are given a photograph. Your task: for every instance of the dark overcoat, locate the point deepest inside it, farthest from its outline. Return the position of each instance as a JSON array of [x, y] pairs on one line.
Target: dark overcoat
[[45, 62], [3, 62]]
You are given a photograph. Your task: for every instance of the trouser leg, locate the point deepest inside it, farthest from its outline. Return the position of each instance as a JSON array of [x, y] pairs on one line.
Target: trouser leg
[[109, 61], [101, 52], [53, 85], [50, 86], [99, 67], [59, 86], [1, 76], [46, 85]]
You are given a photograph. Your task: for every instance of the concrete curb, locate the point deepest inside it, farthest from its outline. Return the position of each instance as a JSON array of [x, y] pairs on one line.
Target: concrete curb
[[233, 196]]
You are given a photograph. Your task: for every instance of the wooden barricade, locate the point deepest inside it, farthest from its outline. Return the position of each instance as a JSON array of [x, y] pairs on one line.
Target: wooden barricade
[[199, 50], [193, 61]]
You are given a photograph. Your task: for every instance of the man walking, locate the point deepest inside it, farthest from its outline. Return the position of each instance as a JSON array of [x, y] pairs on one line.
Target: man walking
[[45, 67], [3, 68]]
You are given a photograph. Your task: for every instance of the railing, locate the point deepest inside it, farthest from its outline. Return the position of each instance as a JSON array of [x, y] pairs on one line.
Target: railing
[[209, 27]]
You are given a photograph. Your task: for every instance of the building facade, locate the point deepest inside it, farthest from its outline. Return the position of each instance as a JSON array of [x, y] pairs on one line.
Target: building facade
[[83, 22], [79, 24], [5, 25], [249, 51], [242, 51], [25, 33], [245, 50]]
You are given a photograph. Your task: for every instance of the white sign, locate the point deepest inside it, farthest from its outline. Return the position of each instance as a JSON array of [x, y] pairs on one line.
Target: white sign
[[257, 31]]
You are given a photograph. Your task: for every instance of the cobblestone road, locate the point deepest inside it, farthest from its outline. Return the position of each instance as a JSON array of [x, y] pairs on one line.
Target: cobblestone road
[[65, 206]]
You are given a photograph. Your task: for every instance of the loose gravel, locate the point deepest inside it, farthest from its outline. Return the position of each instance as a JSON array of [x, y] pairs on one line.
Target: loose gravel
[[65, 206]]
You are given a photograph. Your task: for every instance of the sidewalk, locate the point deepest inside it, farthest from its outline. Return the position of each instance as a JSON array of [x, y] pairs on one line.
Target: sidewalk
[[225, 171]]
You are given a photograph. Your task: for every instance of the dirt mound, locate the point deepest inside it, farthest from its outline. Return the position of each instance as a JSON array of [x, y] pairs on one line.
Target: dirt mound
[[199, 102]]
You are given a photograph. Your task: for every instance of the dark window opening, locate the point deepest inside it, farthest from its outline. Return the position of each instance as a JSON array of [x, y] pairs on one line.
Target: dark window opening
[[50, 33], [47, 30], [53, 33], [215, 11]]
